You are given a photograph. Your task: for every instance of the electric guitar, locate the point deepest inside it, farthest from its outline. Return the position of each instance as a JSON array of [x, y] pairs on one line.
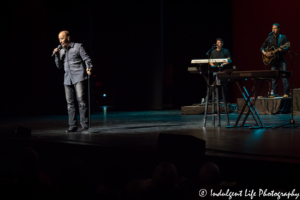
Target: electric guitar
[[273, 52]]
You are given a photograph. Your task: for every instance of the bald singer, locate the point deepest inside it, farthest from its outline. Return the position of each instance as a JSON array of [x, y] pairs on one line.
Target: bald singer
[[77, 65]]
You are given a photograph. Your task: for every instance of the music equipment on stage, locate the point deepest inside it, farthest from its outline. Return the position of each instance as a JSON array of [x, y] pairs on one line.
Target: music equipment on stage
[[259, 74], [256, 76], [208, 70], [273, 52], [219, 60], [90, 130], [292, 121], [194, 70], [204, 68]]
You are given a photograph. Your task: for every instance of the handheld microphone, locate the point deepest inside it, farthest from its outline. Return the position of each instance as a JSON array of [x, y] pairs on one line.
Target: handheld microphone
[[271, 33], [59, 47]]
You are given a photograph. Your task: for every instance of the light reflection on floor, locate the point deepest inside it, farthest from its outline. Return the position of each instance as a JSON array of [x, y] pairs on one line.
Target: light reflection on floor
[[142, 128]]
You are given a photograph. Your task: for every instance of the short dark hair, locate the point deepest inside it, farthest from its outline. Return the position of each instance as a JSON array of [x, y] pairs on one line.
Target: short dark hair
[[276, 24], [220, 40]]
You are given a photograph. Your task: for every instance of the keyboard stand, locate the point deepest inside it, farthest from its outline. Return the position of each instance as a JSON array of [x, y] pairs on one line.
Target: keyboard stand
[[250, 103]]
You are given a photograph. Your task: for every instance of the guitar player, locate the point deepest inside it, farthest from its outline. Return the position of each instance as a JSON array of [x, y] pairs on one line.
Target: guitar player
[[276, 40]]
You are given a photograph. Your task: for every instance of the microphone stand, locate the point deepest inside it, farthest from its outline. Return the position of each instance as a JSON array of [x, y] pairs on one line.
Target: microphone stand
[[269, 89], [90, 130], [292, 121], [270, 80], [208, 53], [208, 92], [208, 66]]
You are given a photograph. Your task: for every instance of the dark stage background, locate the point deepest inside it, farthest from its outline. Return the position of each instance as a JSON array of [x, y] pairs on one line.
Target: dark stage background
[[140, 50], [252, 22]]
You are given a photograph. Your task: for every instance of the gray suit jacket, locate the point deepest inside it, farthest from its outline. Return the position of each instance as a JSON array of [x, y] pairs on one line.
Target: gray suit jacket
[[74, 60]]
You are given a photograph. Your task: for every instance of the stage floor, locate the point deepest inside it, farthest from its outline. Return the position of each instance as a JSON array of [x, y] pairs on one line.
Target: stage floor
[[140, 130]]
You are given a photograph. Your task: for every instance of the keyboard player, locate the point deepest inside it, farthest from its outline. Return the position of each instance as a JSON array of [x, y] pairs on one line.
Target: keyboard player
[[219, 52]]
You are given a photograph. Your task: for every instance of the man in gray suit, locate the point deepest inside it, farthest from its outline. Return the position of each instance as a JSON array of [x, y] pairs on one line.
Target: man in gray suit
[[77, 64]]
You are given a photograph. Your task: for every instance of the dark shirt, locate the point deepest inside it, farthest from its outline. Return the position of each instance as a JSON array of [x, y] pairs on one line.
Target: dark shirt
[[74, 60], [271, 41], [223, 53]]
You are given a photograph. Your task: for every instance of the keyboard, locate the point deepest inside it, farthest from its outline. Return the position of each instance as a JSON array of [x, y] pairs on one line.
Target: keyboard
[[219, 60], [257, 74]]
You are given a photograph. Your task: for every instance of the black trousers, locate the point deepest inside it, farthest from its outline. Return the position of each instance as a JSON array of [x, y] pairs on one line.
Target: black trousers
[[77, 90]]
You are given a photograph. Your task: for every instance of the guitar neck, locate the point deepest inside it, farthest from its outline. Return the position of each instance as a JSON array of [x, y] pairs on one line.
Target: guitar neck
[[281, 47]]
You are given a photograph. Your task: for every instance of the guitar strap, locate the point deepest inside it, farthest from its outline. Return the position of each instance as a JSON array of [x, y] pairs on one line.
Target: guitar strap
[[279, 40]]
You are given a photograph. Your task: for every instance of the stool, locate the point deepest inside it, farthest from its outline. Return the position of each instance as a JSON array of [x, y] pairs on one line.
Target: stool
[[214, 88]]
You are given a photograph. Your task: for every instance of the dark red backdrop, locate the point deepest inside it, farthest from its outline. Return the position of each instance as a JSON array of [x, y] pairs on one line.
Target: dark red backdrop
[[251, 24]]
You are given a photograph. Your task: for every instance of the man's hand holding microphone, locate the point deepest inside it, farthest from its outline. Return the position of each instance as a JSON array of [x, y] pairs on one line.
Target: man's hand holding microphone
[[56, 51]]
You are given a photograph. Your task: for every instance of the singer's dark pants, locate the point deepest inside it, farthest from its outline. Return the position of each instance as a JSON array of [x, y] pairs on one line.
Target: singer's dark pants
[[281, 65], [77, 89]]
